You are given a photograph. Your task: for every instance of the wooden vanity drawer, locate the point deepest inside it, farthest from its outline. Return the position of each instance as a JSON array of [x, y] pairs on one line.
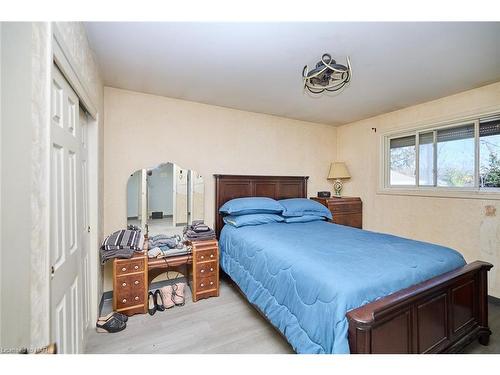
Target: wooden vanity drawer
[[204, 280], [206, 283], [129, 298], [206, 255], [129, 266], [206, 269], [128, 282]]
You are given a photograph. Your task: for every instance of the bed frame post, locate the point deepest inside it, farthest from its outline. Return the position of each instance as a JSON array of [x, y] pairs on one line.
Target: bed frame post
[[484, 336]]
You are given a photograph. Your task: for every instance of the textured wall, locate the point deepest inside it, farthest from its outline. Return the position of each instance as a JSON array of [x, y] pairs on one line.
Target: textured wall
[[207, 139], [40, 158], [468, 225]]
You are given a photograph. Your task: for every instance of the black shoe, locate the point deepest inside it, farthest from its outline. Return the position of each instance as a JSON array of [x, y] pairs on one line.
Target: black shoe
[[117, 315], [112, 325], [151, 304], [122, 317], [159, 301]]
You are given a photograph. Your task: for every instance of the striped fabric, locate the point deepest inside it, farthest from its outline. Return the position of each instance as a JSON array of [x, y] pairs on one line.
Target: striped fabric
[[123, 239], [122, 244]]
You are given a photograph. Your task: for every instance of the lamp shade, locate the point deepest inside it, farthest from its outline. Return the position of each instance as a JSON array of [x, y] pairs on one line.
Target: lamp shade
[[338, 170]]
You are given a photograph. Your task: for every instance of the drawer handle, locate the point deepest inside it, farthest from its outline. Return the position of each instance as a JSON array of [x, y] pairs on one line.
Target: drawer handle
[[202, 257], [124, 269], [211, 255], [136, 298], [202, 285], [211, 283], [202, 271], [136, 282], [136, 267], [124, 300], [124, 284], [211, 269]]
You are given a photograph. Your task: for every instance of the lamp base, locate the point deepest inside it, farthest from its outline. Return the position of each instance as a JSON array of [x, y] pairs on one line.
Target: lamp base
[[337, 187]]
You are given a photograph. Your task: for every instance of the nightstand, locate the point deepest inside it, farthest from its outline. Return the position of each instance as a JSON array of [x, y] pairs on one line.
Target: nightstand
[[345, 210], [205, 275]]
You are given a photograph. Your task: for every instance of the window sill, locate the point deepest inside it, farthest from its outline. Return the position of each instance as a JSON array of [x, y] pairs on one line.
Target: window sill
[[443, 193]]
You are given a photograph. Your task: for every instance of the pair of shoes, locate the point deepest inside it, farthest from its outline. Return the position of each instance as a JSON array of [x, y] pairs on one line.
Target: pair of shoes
[[111, 323], [119, 316], [155, 302], [166, 298], [173, 295]]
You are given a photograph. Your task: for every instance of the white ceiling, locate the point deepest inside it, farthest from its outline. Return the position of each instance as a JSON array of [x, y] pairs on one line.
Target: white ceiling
[[257, 66]]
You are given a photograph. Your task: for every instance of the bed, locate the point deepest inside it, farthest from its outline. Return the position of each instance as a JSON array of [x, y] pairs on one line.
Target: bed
[[318, 283]]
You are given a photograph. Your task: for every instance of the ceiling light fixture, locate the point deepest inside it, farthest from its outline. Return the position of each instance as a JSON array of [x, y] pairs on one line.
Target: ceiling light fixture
[[327, 76]]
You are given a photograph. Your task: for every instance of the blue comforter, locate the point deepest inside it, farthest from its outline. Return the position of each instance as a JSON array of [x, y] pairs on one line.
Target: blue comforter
[[305, 277]]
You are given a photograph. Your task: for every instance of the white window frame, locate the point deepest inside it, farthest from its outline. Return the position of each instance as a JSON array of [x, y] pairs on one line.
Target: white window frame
[[441, 191]]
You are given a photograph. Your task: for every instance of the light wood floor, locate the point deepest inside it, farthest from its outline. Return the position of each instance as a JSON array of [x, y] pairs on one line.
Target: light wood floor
[[227, 324]]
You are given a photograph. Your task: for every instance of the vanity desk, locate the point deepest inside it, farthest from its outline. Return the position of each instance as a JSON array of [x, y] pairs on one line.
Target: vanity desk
[[132, 277], [165, 198]]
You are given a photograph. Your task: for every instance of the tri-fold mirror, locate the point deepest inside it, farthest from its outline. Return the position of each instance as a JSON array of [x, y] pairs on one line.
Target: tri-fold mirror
[[165, 197]]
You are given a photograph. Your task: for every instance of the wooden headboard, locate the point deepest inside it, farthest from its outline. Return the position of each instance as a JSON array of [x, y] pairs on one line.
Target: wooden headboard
[[228, 187]]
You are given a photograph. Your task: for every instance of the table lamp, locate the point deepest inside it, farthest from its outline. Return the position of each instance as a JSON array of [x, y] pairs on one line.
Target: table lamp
[[338, 172]]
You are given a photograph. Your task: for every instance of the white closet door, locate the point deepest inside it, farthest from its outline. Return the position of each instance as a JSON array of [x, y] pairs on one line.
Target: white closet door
[[66, 220]]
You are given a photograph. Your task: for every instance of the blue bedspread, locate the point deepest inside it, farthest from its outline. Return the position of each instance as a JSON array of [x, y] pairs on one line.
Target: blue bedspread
[[306, 276]]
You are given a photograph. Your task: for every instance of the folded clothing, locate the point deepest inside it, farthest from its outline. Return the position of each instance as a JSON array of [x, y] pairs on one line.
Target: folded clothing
[[193, 236], [119, 253], [121, 244], [198, 226], [198, 231], [167, 252], [124, 239], [161, 240]]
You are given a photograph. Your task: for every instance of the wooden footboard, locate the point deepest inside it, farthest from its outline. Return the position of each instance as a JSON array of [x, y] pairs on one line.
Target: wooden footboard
[[440, 315]]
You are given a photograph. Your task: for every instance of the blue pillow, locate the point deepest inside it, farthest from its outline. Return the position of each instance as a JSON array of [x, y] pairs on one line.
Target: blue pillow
[[252, 219], [303, 219], [251, 205], [304, 206]]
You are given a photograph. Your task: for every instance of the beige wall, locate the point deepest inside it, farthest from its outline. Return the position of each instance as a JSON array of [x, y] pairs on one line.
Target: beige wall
[[143, 130], [459, 223]]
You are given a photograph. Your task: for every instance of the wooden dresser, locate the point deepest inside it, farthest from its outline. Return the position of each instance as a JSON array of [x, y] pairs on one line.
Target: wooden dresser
[[130, 285], [345, 210], [205, 275]]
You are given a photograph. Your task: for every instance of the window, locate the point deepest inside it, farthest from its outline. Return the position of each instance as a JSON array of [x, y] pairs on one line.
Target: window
[[489, 151], [464, 155], [455, 156], [403, 161], [426, 159]]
